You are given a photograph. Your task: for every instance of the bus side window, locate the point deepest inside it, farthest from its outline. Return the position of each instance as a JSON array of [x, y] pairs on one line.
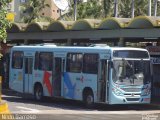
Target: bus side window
[[90, 63], [36, 62], [74, 62], [45, 61], [17, 60]]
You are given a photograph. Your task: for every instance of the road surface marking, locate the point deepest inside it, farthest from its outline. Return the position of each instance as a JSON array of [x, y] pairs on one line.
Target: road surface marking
[[74, 112], [27, 110]]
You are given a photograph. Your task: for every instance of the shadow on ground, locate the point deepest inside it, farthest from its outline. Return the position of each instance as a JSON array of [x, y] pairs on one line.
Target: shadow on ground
[[12, 96]]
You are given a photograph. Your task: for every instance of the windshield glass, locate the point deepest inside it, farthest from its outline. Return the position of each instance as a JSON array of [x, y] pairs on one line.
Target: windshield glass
[[131, 72], [130, 54]]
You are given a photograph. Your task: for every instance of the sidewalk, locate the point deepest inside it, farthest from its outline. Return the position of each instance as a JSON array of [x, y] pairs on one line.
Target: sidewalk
[[4, 107], [3, 104]]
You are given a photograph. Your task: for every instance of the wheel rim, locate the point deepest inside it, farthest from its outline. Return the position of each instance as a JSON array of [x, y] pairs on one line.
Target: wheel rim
[[89, 99]]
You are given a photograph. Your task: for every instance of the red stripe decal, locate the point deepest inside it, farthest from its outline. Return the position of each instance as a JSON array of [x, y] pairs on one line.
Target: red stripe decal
[[46, 81]]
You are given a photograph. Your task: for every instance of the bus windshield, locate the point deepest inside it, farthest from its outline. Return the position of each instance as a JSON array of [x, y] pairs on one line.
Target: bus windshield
[[131, 72]]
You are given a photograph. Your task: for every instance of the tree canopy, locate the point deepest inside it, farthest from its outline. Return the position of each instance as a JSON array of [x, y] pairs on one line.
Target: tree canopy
[[4, 23], [31, 11], [96, 9], [105, 8]]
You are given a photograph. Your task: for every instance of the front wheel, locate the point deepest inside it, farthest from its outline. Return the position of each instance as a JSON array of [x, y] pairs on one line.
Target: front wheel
[[89, 100], [38, 93]]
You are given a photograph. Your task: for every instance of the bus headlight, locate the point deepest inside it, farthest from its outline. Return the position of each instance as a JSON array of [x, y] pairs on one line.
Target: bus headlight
[[145, 92], [117, 92]]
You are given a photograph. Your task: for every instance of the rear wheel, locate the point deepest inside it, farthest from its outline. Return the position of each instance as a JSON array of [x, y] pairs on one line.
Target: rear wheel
[[38, 93], [89, 99]]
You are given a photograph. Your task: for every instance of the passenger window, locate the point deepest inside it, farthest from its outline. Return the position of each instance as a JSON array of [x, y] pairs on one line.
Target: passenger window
[[17, 60], [36, 62], [45, 61], [90, 63], [74, 62]]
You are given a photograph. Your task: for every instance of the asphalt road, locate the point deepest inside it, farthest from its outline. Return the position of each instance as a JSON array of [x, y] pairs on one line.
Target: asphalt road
[[56, 109]]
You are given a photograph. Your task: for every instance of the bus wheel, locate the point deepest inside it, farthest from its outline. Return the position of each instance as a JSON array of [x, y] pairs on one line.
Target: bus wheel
[[89, 99], [38, 93]]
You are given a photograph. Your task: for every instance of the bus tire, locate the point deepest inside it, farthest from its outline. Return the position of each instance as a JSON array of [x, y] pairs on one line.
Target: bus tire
[[38, 93], [89, 99]]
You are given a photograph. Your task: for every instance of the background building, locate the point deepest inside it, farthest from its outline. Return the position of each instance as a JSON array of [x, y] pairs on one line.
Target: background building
[[52, 11], [15, 7]]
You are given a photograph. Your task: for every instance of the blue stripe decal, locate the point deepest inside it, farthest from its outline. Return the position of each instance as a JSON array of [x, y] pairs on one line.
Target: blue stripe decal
[[70, 87]]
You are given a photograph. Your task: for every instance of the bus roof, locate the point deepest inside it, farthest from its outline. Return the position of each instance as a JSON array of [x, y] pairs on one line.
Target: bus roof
[[74, 49], [128, 48], [68, 48]]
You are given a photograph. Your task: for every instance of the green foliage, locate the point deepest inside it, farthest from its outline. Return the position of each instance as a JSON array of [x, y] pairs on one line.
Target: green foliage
[[31, 11], [90, 9], [4, 23], [108, 8], [158, 11], [101, 9], [124, 8], [141, 8]]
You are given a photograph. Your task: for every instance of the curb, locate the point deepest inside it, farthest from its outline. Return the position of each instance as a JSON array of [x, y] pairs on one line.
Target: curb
[[4, 107], [8, 92], [155, 105]]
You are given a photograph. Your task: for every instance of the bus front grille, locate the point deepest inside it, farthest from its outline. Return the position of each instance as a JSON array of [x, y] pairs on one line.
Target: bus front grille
[[132, 99], [131, 89]]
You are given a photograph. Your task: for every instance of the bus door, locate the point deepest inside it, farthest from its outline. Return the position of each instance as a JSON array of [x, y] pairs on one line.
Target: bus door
[[27, 84], [102, 81], [57, 77]]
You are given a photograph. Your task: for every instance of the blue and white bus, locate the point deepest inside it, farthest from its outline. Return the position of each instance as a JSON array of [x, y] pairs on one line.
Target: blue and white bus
[[111, 75]]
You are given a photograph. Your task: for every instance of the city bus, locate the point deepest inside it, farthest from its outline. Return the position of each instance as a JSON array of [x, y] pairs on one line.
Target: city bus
[[94, 74]]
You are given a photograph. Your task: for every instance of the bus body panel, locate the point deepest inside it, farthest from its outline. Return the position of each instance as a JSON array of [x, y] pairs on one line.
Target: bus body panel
[[16, 80], [74, 84], [45, 78], [71, 84], [129, 98], [28, 74], [128, 94]]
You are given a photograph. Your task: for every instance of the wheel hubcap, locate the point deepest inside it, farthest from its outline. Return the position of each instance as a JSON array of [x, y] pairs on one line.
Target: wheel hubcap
[[38, 94], [89, 99]]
